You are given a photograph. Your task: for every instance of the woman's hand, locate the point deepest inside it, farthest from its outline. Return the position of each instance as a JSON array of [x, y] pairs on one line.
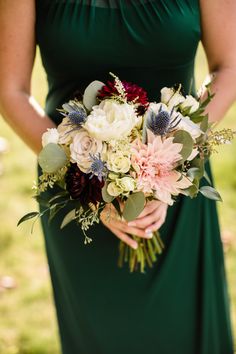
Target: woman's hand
[[151, 219]]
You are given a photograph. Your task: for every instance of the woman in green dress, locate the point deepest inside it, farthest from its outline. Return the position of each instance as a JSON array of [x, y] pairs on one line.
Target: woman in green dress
[[180, 306]]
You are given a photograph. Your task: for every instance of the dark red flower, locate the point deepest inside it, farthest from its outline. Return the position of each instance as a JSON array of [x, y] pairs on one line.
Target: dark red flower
[[133, 92], [82, 186]]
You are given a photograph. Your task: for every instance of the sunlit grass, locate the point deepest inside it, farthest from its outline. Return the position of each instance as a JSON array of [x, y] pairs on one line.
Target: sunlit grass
[[27, 317]]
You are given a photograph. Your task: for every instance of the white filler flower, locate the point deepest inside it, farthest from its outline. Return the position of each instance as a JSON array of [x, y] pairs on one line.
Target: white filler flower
[[50, 136], [171, 97], [190, 101]]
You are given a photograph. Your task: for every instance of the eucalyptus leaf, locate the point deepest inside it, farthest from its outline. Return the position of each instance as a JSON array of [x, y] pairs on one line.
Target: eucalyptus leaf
[[51, 158], [184, 138], [134, 206], [210, 193], [68, 218], [28, 216], [90, 94], [105, 195]]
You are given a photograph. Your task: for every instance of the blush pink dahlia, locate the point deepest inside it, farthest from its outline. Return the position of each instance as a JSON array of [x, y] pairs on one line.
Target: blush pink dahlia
[[154, 166], [133, 92]]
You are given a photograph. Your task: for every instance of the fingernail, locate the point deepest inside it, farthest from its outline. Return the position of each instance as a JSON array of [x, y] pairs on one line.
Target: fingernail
[[134, 246], [148, 232]]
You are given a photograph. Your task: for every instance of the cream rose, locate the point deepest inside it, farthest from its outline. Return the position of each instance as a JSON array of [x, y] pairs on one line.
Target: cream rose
[[50, 136], [82, 147], [190, 101], [118, 162], [120, 186], [113, 189], [111, 120]]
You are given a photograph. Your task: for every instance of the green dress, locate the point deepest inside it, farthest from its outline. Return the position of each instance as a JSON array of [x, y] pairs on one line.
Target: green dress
[[180, 306]]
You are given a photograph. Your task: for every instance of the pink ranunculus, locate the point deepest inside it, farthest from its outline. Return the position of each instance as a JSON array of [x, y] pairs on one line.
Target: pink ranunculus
[[154, 165]]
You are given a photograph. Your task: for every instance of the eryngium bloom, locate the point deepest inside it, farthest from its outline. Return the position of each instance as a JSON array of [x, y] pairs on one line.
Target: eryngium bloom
[[83, 186], [134, 93]]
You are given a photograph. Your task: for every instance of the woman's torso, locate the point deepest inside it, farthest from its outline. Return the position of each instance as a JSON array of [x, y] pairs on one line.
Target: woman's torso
[[150, 42]]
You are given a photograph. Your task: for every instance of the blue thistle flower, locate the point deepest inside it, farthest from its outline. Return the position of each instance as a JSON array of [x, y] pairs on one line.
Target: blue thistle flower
[[77, 117], [98, 167], [159, 123]]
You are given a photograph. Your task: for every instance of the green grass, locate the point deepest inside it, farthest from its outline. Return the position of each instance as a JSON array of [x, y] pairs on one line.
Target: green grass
[[27, 315]]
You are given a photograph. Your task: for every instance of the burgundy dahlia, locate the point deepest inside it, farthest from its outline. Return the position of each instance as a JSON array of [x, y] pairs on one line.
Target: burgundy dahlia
[[133, 91], [82, 186]]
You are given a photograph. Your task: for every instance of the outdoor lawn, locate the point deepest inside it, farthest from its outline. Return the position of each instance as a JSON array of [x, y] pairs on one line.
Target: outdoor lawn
[[27, 315]]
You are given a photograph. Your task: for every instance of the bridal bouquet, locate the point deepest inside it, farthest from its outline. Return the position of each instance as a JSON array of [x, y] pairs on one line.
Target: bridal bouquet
[[114, 146]]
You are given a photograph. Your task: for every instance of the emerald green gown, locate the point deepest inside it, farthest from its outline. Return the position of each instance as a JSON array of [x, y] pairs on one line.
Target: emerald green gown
[[180, 306]]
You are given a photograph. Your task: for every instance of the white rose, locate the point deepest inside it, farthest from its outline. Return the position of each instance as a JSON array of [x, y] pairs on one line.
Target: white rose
[[118, 162], [113, 189], [190, 101], [121, 185], [50, 136], [171, 97], [111, 120], [82, 147], [127, 184], [190, 127]]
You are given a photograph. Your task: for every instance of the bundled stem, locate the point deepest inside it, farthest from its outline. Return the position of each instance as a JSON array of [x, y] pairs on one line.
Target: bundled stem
[[145, 255]]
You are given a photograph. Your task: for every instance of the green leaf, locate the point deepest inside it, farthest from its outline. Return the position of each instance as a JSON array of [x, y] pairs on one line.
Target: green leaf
[[68, 218], [191, 191], [55, 208], [134, 206], [51, 158], [194, 172], [204, 124], [210, 192], [90, 94], [183, 137], [207, 177], [105, 196], [58, 196], [28, 216]]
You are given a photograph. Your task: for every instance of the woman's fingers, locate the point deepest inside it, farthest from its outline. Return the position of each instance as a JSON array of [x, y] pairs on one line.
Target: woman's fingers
[[113, 222], [124, 237], [156, 217], [149, 208], [156, 226], [110, 219], [151, 219]]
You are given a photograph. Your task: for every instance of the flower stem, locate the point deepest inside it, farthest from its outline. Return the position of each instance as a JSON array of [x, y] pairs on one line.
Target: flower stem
[[144, 256]]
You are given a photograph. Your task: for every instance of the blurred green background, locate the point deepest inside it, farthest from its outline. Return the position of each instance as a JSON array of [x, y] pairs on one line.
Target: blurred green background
[[27, 315]]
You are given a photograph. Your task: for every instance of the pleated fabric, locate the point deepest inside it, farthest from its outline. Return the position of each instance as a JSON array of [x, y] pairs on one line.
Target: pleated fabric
[[181, 305]]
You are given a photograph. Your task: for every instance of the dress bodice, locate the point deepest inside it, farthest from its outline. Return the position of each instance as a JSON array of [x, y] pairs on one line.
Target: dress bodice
[[150, 42]]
